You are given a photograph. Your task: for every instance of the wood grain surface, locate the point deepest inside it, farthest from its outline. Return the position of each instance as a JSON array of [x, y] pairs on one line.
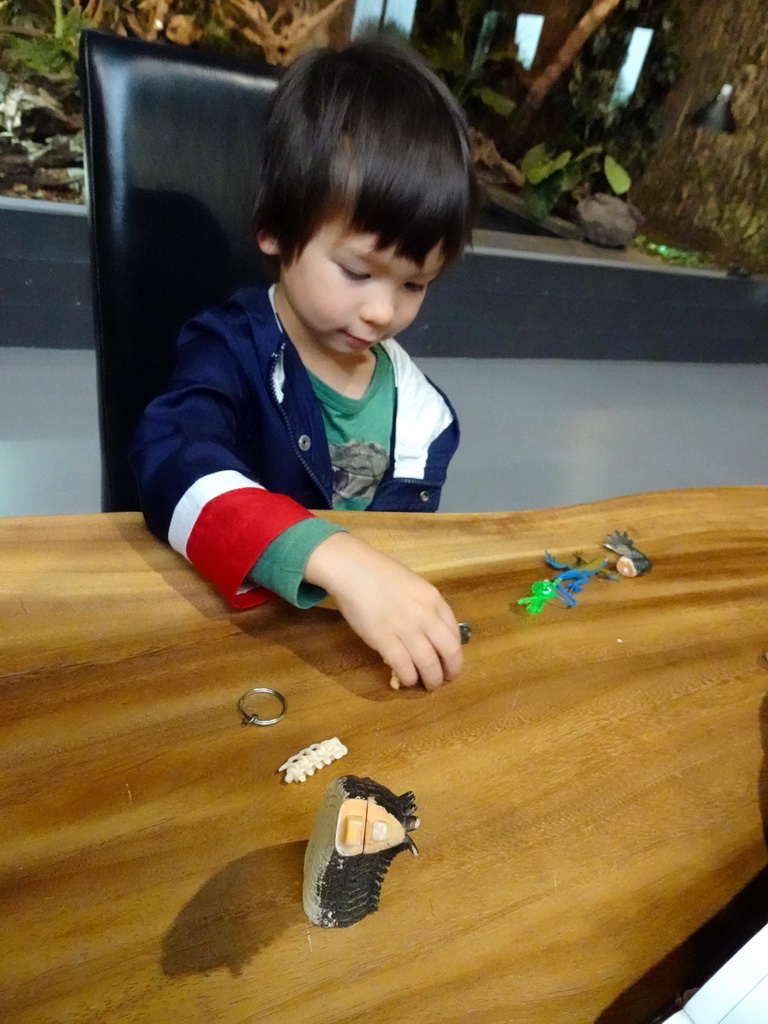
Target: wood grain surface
[[589, 788]]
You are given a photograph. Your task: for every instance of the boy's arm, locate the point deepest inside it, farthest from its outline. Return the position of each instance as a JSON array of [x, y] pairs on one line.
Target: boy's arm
[[197, 493], [395, 611], [392, 609], [282, 565]]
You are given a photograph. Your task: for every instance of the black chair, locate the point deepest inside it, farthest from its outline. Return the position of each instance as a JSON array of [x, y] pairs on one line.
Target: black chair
[[173, 143]]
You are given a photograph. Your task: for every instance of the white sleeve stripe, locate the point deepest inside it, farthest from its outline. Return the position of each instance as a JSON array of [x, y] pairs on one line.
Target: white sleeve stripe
[[422, 414], [196, 497], [278, 378]]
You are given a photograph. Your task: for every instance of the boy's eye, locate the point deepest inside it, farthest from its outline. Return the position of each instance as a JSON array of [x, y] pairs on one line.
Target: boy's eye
[[414, 286], [353, 275]]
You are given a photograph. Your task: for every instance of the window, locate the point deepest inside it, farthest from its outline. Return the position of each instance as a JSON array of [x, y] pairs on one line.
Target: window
[[485, 38], [629, 74], [527, 35], [378, 13]]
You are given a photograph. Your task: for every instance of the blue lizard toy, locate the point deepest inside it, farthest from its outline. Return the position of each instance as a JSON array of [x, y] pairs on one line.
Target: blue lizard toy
[[572, 579]]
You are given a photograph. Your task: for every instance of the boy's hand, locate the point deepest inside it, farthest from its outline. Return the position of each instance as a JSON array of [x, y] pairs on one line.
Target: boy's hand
[[391, 608]]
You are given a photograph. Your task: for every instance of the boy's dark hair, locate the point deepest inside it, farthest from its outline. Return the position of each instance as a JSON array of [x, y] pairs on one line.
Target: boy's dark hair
[[368, 133]]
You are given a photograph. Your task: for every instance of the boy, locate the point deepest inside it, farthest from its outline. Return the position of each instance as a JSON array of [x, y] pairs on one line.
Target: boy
[[299, 397]]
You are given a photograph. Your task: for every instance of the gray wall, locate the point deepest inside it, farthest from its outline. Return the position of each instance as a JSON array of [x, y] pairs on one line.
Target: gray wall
[[45, 282], [499, 302]]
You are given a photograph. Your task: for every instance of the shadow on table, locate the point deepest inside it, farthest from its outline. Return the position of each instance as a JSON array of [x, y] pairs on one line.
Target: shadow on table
[[658, 994], [762, 780], [318, 636], [238, 912]]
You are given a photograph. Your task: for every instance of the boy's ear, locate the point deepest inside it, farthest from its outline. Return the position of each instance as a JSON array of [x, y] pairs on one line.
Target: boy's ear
[[268, 243]]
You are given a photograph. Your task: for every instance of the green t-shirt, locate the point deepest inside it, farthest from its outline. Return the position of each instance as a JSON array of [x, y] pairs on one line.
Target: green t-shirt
[[359, 432]]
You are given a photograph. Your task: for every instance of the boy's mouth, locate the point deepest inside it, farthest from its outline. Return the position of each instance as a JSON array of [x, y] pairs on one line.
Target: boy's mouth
[[359, 343]]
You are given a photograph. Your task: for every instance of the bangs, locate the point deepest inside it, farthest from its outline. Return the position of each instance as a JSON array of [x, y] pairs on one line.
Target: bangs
[[407, 201]]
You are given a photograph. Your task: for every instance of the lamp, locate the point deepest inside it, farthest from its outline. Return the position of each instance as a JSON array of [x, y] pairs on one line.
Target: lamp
[[718, 115]]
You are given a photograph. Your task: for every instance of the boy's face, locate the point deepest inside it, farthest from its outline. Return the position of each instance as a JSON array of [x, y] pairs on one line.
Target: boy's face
[[341, 295]]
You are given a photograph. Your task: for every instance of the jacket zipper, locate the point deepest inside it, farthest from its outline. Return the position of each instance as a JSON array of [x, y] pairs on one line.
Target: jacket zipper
[[296, 450]]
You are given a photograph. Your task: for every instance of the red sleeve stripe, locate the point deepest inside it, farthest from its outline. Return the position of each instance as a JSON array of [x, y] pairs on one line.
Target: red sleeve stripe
[[194, 500], [231, 531]]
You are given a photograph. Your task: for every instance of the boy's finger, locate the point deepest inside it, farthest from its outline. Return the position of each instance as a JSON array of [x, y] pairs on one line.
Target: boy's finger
[[418, 661], [447, 643], [404, 672], [429, 655], [461, 629], [433, 656]]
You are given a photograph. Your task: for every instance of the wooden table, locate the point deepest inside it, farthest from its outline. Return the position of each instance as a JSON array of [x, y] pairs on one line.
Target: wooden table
[[589, 788]]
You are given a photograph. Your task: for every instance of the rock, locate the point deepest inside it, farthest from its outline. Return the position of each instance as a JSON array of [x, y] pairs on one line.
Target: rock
[[607, 220]]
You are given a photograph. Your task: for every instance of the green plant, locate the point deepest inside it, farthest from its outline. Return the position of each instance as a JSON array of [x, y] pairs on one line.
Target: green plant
[[54, 53], [466, 76], [468, 47], [584, 101], [43, 36], [550, 175]]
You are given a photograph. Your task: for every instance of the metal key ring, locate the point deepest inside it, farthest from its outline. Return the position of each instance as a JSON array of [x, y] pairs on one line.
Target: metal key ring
[[253, 719]]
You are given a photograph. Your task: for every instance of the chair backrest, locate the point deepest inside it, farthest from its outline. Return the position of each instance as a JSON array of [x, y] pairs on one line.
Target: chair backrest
[[173, 143]]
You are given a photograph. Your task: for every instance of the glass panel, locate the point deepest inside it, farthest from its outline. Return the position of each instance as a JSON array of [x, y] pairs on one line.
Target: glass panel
[[367, 16], [527, 35], [485, 38], [400, 14], [629, 75]]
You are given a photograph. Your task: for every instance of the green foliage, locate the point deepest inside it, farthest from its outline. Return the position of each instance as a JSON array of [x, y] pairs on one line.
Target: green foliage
[[54, 53], [594, 131], [538, 165], [584, 98], [501, 105], [550, 175], [541, 199], [457, 37], [467, 78], [43, 37], [616, 176]]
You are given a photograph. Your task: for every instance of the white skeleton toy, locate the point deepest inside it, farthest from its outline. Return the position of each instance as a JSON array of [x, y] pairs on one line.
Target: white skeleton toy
[[313, 757]]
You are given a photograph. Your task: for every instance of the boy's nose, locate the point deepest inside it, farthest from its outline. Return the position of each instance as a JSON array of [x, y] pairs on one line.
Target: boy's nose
[[378, 308]]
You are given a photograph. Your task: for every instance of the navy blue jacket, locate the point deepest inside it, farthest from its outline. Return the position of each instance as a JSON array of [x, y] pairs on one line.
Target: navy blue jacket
[[235, 451]]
